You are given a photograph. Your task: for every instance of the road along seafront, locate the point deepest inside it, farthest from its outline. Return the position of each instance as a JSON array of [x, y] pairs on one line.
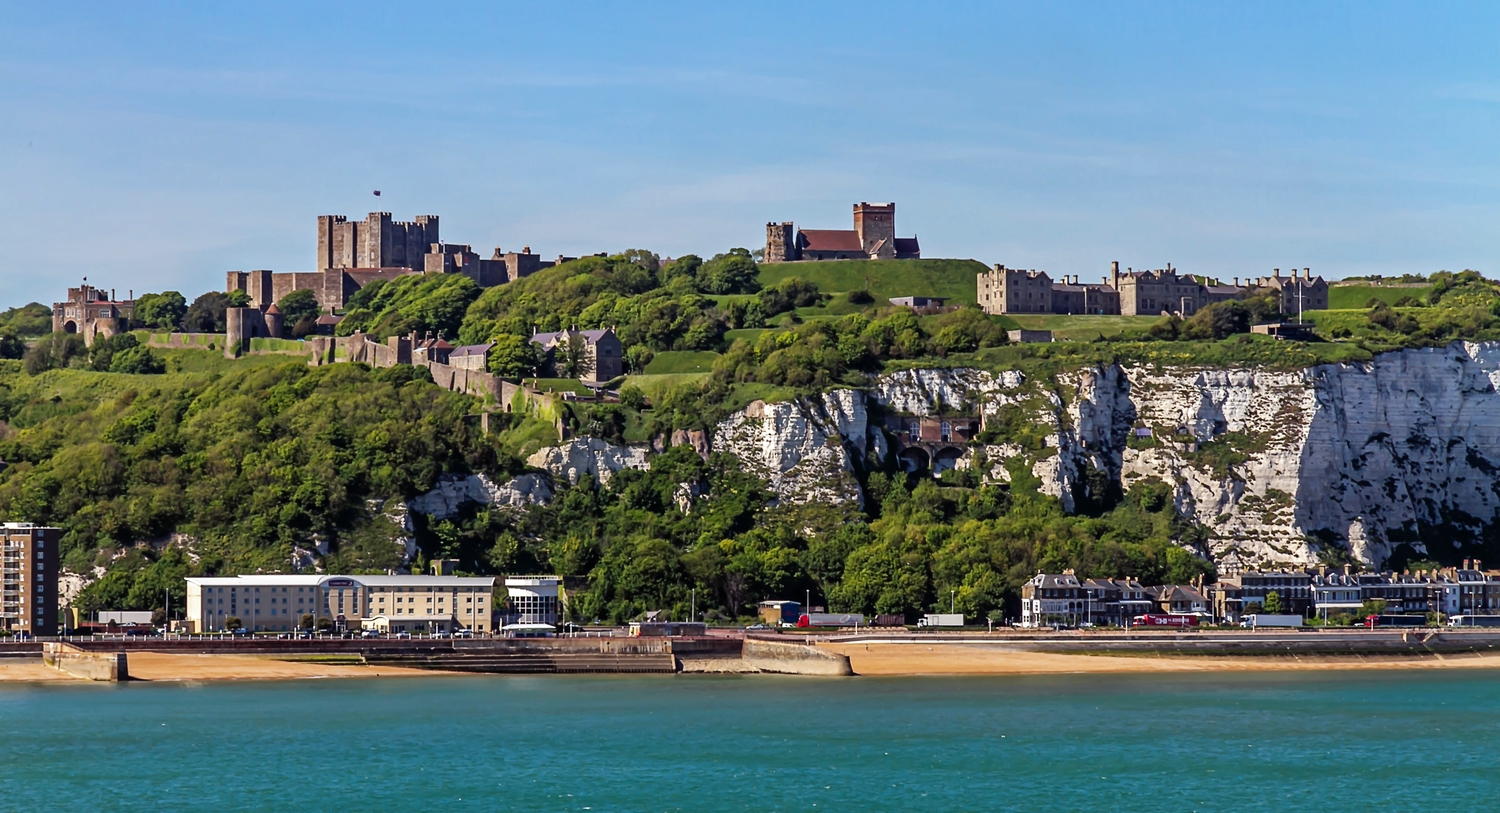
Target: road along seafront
[[890, 652]]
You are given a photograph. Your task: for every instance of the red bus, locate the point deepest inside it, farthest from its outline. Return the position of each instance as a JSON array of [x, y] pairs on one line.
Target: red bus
[[1165, 620]]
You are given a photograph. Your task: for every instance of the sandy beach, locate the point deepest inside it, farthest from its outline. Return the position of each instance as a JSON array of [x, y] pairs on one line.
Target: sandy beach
[[969, 659], [160, 666], [866, 659]]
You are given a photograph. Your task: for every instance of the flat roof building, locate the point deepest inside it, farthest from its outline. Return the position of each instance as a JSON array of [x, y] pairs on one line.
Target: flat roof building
[[533, 600], [279, 602], [28, 578]]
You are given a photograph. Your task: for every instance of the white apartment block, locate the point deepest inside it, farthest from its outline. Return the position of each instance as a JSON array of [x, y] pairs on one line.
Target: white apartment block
[[270, 603]]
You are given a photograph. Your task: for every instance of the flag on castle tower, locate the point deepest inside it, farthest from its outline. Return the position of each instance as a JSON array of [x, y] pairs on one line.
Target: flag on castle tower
[[377, 193]]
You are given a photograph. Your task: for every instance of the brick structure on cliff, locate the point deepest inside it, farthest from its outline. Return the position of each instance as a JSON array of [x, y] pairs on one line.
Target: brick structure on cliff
[[872, 238]]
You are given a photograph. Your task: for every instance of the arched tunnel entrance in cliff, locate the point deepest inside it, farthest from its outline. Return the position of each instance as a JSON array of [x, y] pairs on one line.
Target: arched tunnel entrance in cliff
[[913, 459], [946, 458]]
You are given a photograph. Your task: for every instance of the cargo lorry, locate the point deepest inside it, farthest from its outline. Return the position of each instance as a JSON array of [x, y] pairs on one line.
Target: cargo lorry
[[1165, 620], [1258, 620], [831, 620], [942, 620]]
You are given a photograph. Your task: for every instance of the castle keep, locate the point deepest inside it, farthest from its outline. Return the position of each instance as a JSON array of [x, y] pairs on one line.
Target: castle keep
[[351, 255], [872, 238]]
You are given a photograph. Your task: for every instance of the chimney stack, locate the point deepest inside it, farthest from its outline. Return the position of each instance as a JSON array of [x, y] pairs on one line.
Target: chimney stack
[[1236, 282], [1276, 272], [1307, 273]]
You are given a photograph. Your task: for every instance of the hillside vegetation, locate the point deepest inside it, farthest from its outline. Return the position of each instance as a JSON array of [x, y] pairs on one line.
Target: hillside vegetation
[[162, 463], [252, 460], [954, 279]]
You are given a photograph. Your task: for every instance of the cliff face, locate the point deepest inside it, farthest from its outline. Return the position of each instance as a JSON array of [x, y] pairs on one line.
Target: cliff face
[[1280, 467], [806, 450], [1277, 465]]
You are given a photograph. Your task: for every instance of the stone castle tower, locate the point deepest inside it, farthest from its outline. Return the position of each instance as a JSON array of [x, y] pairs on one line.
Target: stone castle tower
[[781, 243], [875, 223], [378, 242]]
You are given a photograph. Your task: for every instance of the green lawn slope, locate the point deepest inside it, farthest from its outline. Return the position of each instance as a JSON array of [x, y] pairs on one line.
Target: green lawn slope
[[1341, 297], [954, 279]]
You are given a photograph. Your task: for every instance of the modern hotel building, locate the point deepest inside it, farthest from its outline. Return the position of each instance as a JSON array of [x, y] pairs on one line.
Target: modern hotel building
[[387, 603]]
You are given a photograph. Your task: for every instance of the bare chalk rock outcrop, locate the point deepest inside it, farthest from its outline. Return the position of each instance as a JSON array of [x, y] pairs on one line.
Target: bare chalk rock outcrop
[[592, 456], [804, 449]]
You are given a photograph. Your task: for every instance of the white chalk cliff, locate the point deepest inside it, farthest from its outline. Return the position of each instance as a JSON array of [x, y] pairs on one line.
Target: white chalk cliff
[[588, 455], [1277, 465], [805, 449]]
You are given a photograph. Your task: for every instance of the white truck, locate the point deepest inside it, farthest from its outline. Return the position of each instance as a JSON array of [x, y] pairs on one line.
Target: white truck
[[942, 620], [1257, 620]]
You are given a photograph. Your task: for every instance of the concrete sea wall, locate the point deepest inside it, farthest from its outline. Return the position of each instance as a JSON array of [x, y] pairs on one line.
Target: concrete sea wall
[[106, 666]]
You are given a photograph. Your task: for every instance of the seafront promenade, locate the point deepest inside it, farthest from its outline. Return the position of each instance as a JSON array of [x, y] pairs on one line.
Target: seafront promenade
[[877, 652]]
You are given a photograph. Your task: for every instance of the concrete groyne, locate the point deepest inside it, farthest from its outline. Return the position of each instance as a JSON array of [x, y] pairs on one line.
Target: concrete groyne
[[103, 666]]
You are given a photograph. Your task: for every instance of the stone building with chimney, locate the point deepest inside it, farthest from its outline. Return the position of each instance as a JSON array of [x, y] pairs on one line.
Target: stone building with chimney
[[1297, 294], [603, 353], [90, 314], [1150, 293], [1011, 290], [872, 238]]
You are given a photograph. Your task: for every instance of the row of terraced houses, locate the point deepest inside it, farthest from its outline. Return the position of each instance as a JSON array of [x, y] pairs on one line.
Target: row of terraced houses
[[1065, 599]]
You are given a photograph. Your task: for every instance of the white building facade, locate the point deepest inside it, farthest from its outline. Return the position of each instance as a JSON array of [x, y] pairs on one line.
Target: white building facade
[[280, 603], [533, 600]]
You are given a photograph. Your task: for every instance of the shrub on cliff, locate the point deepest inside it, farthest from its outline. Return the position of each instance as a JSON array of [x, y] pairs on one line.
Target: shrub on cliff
[[425, 303]]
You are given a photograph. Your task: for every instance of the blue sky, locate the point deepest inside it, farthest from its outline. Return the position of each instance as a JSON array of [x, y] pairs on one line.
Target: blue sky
[[155, 146]]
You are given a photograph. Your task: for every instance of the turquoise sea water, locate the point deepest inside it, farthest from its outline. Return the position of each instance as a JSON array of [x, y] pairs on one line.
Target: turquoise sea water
[[1327, 742]]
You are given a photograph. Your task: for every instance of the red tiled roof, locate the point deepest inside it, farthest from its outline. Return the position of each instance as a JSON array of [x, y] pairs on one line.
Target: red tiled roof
[[831, 240]]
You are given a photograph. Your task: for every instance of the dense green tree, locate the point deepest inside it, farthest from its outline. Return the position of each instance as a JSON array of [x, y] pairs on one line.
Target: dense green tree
[[11, 346], [425, 303], [33, 319], [164, 310], [733, 272], [1217, 321], [55, 351], [102, 354], [207, 313], [513, 356], [789, 293], [137, 361], [298, 306]]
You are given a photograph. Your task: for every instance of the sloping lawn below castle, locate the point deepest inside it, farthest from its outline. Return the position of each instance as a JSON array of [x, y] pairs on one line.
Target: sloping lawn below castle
[[672, 362], [1081, 328], [953, 279], [1357, 296]]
